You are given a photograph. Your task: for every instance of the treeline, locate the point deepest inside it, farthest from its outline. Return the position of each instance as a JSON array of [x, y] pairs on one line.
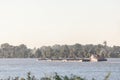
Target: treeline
[[59, 51]]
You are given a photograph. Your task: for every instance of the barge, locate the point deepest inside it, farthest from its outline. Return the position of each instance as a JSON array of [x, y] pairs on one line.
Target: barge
[[93, 58]]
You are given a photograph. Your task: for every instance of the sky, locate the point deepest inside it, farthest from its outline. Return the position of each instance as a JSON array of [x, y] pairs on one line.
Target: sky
[[37, 23]]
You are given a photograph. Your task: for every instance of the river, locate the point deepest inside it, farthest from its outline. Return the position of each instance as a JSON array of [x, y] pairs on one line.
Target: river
[[19, 67]]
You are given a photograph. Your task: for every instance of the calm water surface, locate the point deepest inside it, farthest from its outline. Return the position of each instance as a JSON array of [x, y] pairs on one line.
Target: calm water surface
[[98, 70]]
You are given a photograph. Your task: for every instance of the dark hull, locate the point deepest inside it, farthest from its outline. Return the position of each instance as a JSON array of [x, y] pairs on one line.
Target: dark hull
[[102, 59]]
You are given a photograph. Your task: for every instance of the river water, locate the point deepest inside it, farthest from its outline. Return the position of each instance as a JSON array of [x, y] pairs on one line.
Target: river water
[[98, 70]]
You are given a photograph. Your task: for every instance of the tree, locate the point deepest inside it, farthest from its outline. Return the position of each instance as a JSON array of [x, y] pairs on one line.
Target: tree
[[38, 53], [64, 51]]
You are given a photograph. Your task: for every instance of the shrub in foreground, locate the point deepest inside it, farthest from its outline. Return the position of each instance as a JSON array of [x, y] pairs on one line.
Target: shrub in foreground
[[54, 77]]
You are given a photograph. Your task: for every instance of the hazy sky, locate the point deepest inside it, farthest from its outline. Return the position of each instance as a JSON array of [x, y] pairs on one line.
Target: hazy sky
[[49, 22]]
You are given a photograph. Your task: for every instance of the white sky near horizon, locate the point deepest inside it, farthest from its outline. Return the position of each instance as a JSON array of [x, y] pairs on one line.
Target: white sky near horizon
[[36, 23]]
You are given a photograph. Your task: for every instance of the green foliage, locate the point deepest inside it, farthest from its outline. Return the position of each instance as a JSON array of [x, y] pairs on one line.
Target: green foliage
[[58, 51], [54, 77], [45, 78], [29, 76], [57, 77], [107, 76], [66, 78], [74, 77]]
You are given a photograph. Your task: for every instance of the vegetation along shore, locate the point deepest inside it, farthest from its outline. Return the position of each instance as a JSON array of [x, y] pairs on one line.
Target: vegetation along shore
[[59, 51]]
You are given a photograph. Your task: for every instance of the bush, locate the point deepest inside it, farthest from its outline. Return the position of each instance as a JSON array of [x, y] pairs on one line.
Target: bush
[[54, 77]]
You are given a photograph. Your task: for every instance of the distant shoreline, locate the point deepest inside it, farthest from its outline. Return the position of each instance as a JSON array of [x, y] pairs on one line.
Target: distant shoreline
[[59, 51]]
